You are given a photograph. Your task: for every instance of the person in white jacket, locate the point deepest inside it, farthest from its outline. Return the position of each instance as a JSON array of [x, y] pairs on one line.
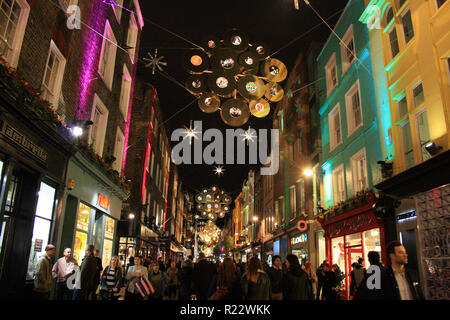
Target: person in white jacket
[[133, 276]]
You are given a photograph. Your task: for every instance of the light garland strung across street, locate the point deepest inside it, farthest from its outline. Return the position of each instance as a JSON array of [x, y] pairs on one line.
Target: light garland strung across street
[[212, 203]]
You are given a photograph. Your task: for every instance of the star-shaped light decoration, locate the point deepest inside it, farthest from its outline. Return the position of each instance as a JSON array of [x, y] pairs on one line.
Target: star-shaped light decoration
[[155, 61], [191, 133], [219, 170], [248, 135]]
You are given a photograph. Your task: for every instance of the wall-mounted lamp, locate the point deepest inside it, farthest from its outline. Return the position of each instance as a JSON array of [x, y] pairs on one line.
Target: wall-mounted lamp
[[432, 148], [79, 125], [131, 216]]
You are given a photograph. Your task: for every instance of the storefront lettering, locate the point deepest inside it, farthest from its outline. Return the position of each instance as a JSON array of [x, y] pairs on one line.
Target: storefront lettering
[[22, 141], [103, 201], [350, 225], [301, 238]]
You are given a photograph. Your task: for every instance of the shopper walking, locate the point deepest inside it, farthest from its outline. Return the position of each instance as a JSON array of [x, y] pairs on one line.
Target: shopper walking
[[256, 283], [159, 281], [63, 269], [134, 275], [185, 280], [111, 280], [43, 279], [227, 284], [363, 292], [356, 276], [275, 274], [295, 283], [172, 275], [202, 277], [99, 272], [329, 283], [320, 279], [129, 264], [312, 278]]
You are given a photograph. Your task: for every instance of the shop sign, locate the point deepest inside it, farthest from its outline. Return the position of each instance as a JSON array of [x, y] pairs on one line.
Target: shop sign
[[406, 215], [300, 239], [103, 201], [351, 225], [22, 141]]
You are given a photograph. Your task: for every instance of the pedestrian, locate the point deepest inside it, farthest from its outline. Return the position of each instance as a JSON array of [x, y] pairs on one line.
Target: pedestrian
[[275, 274], [295, 283], [256, 283], [329, 283], [185, 280], [356, 276], [134, 275], [202, 278], [161, 264], [228, 284], [111, 280], [63, 269], [363, 292], [172, 275], [43, 279], [86, 278], [159, 281], [340, 276], [312, 278], [129, 264], [404, 282], [99, 272]]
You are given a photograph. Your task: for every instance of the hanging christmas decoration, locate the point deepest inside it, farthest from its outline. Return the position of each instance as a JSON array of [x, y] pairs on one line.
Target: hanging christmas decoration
[[190, 133], [227, 71], [154, 61], [212, 203]]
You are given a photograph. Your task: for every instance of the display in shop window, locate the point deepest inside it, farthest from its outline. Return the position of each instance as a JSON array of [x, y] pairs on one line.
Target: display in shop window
[[83, 217]]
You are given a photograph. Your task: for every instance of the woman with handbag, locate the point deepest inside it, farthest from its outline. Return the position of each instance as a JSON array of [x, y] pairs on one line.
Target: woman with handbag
[[111, 280], [134, 276], [228, 283]]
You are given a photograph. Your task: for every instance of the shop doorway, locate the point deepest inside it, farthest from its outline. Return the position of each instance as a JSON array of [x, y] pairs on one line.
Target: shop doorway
[[352, 253]]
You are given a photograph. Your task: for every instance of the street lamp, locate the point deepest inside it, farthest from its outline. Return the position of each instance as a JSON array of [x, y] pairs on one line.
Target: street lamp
[[308, 172], [131, 216], [79, 126]]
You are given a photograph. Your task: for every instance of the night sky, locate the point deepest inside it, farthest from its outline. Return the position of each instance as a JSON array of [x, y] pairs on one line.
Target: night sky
[[275, 22]]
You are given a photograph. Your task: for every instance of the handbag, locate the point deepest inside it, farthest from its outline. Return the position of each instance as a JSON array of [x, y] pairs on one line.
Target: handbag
[[144, 287], [220, 293]]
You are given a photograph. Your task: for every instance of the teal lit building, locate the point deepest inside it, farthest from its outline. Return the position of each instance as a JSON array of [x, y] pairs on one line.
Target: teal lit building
[[351, 143]]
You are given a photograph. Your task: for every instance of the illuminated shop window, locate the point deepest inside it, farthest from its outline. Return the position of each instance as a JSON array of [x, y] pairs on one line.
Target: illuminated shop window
[[81, 232]]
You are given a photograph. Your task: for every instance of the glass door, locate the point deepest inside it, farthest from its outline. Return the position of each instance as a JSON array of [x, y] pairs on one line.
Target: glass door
[[352, 254]]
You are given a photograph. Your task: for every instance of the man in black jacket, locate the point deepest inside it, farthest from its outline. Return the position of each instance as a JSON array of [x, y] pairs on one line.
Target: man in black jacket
[[275, 274], [202, 277], [88, 275]]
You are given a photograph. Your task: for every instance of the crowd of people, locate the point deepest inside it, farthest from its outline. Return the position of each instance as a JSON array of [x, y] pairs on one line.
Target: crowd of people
[[144, 279]]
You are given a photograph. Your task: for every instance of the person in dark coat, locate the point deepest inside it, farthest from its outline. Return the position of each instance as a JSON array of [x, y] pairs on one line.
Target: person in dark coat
[[226, 284], [89, 272], [185, 280], [202, 277], [275, 274], [329, 283], [99, 272], [356, 276], [404, 282], [363, 292], [295, 283], [255, 282]]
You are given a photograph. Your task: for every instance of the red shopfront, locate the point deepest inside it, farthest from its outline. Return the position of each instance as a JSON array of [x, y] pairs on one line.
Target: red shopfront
[[352, 235]]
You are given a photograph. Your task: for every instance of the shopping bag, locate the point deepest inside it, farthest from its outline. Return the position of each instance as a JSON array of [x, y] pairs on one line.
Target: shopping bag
[[144, 287]]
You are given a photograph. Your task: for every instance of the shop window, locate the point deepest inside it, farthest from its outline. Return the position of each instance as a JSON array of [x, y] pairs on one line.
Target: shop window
[[337, 252], [440, 3], [13, 20], [331, 74], [423, 133], [321, 246], [125, 92], [108, 241], [359, 171], [81, 232], [408, 30], [353, 239], [42, 226], [132, 37], [347, 49], [118, 151], [353, 106], [334, 121], [408, 151], [338, 184], [11, 196], [97, 131], [371, 242], [108, 56], [417, 93], [402, 107], [53, 76]]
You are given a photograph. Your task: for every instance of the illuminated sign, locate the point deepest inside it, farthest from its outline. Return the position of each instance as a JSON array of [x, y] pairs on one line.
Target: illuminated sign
[[103, 201], [301, 238], [406, 215], [302, 225]]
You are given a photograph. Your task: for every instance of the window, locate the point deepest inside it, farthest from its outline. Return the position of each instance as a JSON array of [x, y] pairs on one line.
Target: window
[[292, 202], [338, 184], [108, 56], [393, 42], [13, 20], [282, 208], [132, 37], [348, 49], [301, 195], [402, 107], [359, 171], [42, 226], [97, 131], [440, 3], [277, 212], [408, 29], [125, 93], [408, 152], [331, 74], [152, 163], [417, 93], [353, 105], [118, 151], [118, 9], [334, 120], [389, 15], [423, 134], [401, 3], [53, 75], [157, 176]]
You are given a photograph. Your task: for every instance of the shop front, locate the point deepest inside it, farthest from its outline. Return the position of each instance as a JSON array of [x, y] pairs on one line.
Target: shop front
[[92, 208], [299, 247], [33, 161], [268, 252], [352, 235]]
